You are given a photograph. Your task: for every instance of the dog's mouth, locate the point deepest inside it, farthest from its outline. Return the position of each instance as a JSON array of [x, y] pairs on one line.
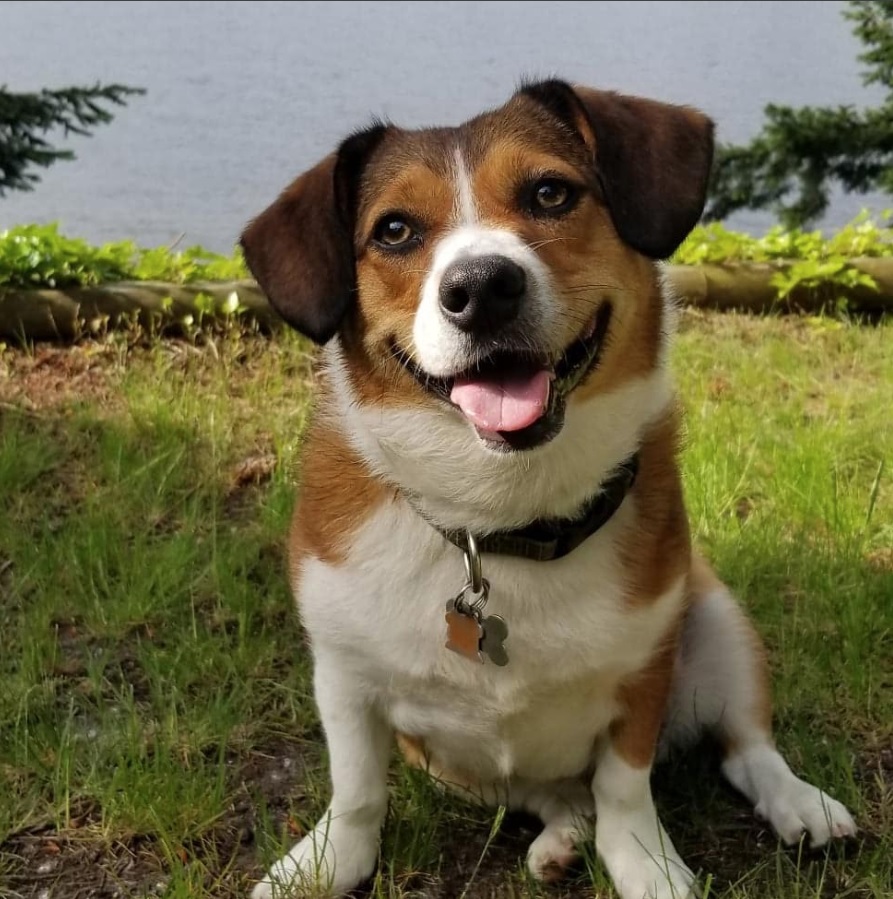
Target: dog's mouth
[[516, 399]]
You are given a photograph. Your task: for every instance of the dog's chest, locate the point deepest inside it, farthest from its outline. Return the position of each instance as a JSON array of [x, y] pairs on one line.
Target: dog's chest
[[571, 637]]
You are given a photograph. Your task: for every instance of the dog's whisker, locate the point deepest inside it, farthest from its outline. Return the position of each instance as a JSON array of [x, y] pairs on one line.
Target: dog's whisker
[[536, 245], [576, 288]]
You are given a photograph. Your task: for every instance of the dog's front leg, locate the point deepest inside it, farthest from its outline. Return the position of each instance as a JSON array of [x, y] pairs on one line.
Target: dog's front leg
[[629, 837], [341, 851]]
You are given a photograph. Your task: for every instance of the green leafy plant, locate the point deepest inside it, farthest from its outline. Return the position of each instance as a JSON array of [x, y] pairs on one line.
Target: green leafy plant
[[38, 256], [717, 244], [820, 275], [804, 260], [34, 256], [187, 265]]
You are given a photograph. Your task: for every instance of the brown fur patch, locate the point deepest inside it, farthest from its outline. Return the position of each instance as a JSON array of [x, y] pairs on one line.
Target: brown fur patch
[[656, 553], [656, 550], [643, 699], [389, 285], [338, 494]]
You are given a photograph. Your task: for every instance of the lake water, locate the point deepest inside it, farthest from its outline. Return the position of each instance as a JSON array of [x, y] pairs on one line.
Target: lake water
[[243, 95]]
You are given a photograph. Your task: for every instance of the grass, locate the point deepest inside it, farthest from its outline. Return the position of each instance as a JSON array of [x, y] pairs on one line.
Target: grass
[[157, 732]]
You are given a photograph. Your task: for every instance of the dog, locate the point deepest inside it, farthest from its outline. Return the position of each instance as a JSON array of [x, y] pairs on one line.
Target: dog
[[490, 553]]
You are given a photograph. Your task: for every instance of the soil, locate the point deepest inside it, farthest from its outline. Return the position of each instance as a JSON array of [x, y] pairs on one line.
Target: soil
[[51, 376], [77, 863]]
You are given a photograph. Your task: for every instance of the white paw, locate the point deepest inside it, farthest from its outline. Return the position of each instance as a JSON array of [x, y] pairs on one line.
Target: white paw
[[552, 852], [801, 808], [649, 877], [330, 861], [792, 806], [642, 869]]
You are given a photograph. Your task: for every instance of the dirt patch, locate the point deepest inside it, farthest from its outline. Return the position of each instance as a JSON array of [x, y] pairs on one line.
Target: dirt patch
[[77, 652], [46, 864], [252, 471], [885, 766], [79, 862], [245, 483], [466, 866], [874, 774], [50, 376], [881, 559]]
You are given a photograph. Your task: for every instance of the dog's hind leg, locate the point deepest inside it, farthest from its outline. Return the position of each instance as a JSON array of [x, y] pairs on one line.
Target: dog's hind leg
[[721, 683], [566, 808]]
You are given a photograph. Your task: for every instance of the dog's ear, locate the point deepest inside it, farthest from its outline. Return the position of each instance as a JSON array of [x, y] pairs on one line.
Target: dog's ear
[[652, 160], [300, 249]]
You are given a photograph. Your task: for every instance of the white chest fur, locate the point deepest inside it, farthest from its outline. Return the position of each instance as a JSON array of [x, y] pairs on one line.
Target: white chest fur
[[572, 635]]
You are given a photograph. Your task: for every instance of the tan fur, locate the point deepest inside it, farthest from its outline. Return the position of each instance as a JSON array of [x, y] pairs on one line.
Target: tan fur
[[643, 700], [656, 550], [338, 495]]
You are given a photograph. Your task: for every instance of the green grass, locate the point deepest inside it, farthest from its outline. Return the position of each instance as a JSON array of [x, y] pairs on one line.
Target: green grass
[[157, 733]]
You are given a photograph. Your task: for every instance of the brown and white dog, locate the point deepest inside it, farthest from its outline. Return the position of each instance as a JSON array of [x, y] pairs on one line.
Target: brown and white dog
[[494, 371]]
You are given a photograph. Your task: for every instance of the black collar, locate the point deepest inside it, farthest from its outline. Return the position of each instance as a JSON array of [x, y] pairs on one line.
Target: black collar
[[546, 539]]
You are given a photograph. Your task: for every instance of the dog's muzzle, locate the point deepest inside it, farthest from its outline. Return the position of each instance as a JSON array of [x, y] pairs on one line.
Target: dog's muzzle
[[516, 400]]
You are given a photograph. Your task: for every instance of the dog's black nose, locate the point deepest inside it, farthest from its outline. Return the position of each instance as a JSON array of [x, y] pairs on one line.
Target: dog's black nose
[[482, 293]]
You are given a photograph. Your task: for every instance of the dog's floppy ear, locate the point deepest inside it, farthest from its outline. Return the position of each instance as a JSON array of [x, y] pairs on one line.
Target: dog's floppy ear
[[652, 160], [300, 249]]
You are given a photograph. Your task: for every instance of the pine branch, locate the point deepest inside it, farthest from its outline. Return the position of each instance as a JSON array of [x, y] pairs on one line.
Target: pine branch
[[800, 154], [26, 119]]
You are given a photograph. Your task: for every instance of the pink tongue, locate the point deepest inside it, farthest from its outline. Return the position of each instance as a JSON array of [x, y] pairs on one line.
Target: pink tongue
[[507, 405]]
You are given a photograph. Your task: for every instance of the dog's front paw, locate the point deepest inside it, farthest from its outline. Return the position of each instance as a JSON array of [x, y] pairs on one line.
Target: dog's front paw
[[645, 868], [329, 862], [641, 876]]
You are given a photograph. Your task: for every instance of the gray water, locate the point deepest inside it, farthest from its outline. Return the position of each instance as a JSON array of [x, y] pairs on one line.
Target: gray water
[[243, 95]]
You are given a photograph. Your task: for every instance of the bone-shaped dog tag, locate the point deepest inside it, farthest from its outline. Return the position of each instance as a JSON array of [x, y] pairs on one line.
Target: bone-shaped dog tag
[[495, 632], [464, 633]]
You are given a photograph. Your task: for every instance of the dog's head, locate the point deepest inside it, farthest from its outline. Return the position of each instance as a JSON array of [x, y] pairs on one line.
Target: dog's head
[[497, 270]]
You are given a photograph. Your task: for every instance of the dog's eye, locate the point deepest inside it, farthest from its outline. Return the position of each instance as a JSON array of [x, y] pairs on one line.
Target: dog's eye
[[392, 232], [551, 196]]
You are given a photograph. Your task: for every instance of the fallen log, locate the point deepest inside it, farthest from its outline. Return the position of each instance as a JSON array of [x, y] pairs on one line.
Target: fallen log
[[74, 312], [81, 311], [748, 287]]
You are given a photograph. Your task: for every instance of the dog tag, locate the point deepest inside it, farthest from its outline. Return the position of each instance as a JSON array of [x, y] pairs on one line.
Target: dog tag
[[464, 632], [495, 632]]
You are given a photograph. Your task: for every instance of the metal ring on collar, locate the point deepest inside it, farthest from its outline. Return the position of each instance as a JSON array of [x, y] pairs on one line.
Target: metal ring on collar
[[473, 563]]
